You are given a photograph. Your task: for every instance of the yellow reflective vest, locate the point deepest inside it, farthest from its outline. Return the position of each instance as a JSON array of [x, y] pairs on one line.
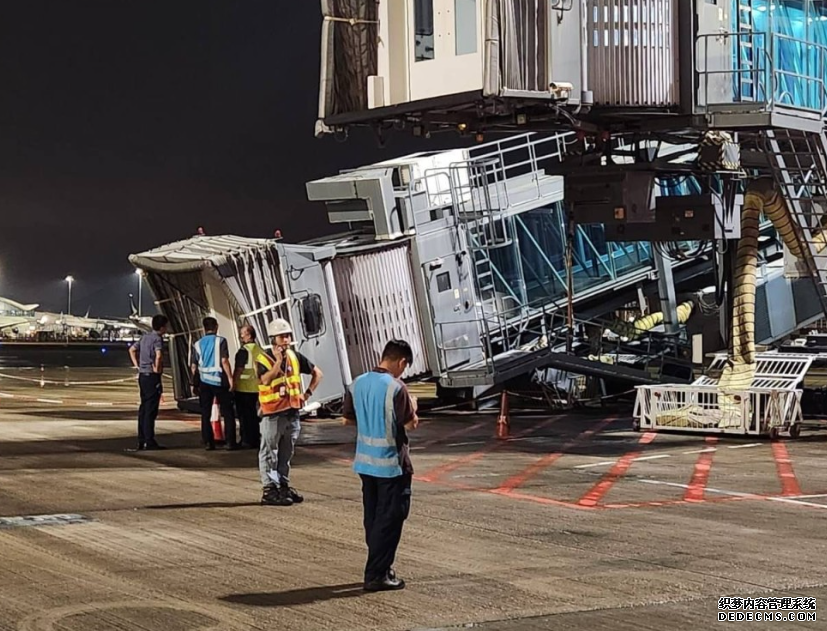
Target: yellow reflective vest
[[248, 379]]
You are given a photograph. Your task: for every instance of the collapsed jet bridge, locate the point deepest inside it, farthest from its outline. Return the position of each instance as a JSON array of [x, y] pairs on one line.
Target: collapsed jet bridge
[[467, 254]]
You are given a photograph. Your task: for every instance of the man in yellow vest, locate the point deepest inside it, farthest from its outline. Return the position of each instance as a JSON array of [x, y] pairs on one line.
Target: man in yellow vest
[[280, 397], [245, 393]]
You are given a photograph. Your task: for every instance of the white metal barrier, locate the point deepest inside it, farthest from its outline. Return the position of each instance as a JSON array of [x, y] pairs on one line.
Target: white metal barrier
[[771, 405]]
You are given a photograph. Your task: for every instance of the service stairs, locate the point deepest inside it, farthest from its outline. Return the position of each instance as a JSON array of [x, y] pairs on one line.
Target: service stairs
[[798, 160]]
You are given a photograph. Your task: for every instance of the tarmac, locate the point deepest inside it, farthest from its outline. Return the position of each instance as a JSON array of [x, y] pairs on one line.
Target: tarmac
[[575, 522]]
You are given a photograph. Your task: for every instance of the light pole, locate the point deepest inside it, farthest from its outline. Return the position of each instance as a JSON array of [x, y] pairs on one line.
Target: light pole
[[140, 274], [70, 280]]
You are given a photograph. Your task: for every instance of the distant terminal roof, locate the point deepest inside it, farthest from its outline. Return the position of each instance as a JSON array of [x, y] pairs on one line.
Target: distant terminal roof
[[17, 306]]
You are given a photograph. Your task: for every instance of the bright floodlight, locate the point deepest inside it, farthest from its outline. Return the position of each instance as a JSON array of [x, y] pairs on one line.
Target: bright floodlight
[[139, 272], [70, 279]]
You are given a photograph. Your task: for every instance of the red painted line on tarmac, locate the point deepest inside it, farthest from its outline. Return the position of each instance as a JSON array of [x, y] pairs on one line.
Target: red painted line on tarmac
[[599, 490], [700, 476], [784, 467], [438, 472], [546, 461]]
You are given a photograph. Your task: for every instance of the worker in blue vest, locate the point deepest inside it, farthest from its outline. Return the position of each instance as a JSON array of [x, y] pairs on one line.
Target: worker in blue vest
[[382, 408], [213, 379]]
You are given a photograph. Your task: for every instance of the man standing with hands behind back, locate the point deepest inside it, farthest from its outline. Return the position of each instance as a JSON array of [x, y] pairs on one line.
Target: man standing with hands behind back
[[382, 408]]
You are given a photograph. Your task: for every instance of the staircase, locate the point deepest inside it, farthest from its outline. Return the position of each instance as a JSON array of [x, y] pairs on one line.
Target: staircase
[[798, 160], [476, 188]]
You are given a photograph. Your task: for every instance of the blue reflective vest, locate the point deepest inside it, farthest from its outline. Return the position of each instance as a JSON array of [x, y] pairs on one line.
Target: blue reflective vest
[[208, 349], [376, 452]]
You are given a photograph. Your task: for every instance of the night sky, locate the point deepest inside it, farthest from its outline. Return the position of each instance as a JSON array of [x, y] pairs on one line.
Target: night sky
[[126, 125]]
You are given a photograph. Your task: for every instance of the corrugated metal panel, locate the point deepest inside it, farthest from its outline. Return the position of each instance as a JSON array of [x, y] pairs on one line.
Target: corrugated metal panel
[[378, 303], [633, 52]]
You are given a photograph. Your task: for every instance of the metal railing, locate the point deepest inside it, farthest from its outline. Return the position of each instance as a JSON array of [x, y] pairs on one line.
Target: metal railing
[[504, 160], [754, 411], [763, 81]]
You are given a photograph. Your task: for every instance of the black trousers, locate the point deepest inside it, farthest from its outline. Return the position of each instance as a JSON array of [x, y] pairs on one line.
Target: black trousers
[[387, 503], [206, 395], [151, 390], [246, 405]]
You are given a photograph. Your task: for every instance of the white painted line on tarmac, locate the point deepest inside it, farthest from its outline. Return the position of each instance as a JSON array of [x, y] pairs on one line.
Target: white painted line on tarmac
[[3, 395], [707, 489], [477, 475], [100, 403], [785, 500], [701, 451], [473, 442], [789, 500], [656, 457], [58, 401], [744, 446], [595, 464], [803, 497]]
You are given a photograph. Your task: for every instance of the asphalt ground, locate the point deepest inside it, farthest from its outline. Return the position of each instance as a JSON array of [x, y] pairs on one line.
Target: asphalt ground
[[573, 522]]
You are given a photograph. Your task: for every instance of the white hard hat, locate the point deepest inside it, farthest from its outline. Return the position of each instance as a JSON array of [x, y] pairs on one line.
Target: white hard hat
[[279, 327]]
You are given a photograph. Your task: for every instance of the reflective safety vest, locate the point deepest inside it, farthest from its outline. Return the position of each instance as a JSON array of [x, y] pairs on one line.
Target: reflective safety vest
[[285, 391], [376, 451], [209, 359], [248, 379]]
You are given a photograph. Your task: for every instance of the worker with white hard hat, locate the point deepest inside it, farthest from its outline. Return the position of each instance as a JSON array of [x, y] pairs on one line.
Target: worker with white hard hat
[[280, 398]]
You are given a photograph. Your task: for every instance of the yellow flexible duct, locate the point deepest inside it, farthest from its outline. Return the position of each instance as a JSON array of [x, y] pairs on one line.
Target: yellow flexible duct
[[633, 330], [760, 196]]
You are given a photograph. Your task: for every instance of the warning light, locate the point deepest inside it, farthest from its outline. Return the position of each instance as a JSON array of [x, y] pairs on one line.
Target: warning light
[[277, 234], [103, 350], [201, 231]]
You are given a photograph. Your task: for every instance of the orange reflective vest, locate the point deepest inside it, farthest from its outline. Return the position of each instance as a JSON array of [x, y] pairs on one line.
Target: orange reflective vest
[[285, 391]]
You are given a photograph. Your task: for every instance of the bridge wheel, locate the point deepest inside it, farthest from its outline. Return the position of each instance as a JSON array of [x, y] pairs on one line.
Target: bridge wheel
[[635, 426], [774, 433], [795, 430]]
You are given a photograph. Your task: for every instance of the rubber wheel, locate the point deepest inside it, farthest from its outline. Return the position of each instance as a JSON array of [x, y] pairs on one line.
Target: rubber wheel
[[795, 430], [635, 426], [774, 433]]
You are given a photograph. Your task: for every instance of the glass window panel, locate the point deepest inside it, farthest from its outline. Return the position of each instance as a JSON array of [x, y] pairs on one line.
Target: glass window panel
[[423, 30]]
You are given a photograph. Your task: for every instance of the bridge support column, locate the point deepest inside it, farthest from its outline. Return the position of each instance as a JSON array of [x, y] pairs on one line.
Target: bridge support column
[[666, 292]]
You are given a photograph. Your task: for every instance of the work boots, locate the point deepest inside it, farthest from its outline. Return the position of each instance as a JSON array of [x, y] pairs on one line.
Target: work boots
[[281, 496], [275, 496], [293, 494]]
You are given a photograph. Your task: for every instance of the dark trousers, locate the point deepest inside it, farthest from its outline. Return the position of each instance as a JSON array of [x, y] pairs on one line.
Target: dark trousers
[[246, 405], [387, 502], [151, 390], [206, 395]]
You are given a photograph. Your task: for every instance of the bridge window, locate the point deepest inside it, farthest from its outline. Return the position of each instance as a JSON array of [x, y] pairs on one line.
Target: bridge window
[[424, 30], [465, 26], [312, 316]]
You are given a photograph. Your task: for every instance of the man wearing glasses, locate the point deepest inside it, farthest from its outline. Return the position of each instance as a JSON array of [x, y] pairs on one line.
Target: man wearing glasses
[[280, 398]]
